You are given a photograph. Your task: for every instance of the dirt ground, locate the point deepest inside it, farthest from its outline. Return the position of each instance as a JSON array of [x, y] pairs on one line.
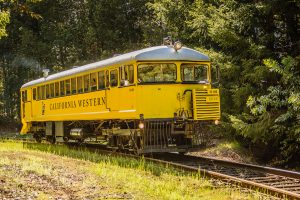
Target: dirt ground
[[36, 176]]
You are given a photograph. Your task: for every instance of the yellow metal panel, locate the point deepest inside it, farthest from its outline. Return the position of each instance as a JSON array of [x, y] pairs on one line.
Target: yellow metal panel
[[206, 104]]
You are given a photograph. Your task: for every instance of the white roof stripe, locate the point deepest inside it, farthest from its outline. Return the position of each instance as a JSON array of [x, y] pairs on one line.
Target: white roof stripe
[[159, 53]]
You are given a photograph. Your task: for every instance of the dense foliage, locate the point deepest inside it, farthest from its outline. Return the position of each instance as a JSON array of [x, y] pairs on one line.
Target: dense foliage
[[255, 43]]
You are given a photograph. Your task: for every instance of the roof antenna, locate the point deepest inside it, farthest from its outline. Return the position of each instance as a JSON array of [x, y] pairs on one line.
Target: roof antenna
[[45, 73]]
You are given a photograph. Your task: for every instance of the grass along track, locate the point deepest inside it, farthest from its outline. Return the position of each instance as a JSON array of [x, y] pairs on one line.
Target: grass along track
[[277, 182], [42, 171]]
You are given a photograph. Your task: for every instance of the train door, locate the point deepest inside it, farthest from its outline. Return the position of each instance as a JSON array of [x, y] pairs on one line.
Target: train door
[[26, 104], [127, 89], [112, 91]]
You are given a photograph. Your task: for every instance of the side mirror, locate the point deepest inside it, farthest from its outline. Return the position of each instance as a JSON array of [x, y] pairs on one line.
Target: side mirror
[[215, 75]]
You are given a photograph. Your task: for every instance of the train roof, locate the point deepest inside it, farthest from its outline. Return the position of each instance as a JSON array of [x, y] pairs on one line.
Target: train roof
[[159, 53]]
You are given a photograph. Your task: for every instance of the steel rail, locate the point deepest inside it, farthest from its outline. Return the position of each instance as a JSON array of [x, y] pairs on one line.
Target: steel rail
[[263, 178], [196, 167]]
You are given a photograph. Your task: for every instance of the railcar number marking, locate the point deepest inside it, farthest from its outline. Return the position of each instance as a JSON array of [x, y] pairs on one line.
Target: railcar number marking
[[212, 99]]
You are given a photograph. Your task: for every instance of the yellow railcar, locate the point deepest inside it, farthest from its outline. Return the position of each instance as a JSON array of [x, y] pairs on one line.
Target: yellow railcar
[[152, 100]]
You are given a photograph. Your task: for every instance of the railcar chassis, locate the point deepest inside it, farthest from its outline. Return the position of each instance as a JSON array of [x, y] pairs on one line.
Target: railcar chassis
[[140, 137]]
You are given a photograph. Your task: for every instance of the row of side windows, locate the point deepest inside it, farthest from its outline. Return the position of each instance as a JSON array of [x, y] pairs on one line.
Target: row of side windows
[[86, 83]]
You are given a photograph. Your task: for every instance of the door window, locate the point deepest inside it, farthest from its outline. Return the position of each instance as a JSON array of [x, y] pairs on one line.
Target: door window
[[114, 78], [86, 79], [101, 80], [93, 81], [79, 84], [73, 85], [62, 88]]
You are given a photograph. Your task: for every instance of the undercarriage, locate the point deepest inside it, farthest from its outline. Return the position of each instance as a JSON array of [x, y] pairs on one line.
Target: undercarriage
[[140, 137]]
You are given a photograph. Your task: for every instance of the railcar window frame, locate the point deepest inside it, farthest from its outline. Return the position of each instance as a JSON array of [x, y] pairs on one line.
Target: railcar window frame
[[126, 75], [73, 85], [39, 93], [51, 90], [62, 88], [34, 94], [86, 83], [47, 91], [107, 80], [93, 82], [182, 75], [68, 87], [116, 81], [56, 89], [101, 80], [79, 80], [43, 89], [24, 96], [157, 82]]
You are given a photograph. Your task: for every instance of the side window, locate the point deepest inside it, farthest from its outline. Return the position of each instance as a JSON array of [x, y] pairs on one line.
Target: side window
[[24, 96], [47, 91], [39, 93], [93, 81], [101, 80], [57, 89], [126, 75], [114, 78], [51, 90], [73, 85], [86, 83], [62, 88], [68, 86], [106, 78], [43, 92], [79, 84], [123, 76], [130, 74], [34, 94]]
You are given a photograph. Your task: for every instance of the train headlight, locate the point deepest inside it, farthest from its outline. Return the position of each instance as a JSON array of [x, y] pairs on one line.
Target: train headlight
[[217, 122], [141, 125], [177, 45]]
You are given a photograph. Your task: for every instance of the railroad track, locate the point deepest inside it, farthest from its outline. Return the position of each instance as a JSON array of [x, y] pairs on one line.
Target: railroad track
[[277, 182]]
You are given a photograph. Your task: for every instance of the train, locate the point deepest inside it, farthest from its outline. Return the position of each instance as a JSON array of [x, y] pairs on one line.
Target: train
[[157, 99]]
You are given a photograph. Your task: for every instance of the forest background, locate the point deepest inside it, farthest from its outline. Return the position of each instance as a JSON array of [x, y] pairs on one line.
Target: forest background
[[255, 43]]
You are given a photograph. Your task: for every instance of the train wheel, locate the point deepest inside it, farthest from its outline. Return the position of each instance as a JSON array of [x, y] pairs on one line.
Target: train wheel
[[37, 138], [51, 139], [66, 139]]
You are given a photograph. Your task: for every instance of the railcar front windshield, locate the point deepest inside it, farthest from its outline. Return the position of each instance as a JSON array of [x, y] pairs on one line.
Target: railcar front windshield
[[157, 73], [195, 73]]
